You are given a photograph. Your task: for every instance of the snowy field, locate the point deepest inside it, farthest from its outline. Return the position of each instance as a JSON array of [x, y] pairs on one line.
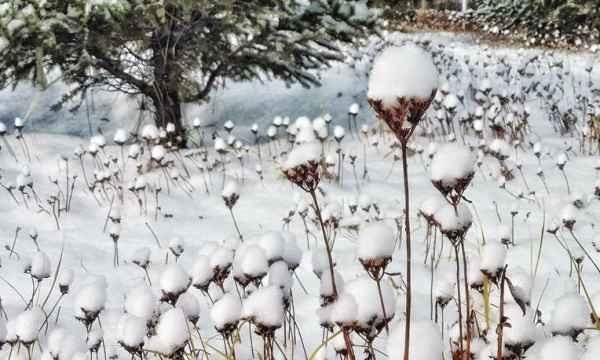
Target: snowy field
[[67, 203]]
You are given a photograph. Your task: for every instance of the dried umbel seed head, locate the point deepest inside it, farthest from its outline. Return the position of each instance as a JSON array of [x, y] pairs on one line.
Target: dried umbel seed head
[[306, 176], [404, 116], [231, 200]]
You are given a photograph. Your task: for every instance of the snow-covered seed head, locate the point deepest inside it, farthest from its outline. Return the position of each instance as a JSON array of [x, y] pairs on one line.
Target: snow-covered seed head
[[452, 169], [90, 301], [250, 265], [338, 133], [453, 222], [220, 262], [429, 207], [158, 153], [131, 331], [493, 258], [402, 84], [94, 339], [570, 315], [302, 166], [40, 266], [33, 233], [230, 194], [65, 279], [444, 291], [120, 137], [375, 248], [561, 161], [28, 324], [188, 303], [174, 281], [114, 231], [373, 312], [171, 336], [225, 314], [19, 123], [176, 246], [229, 126], [265, 309], [569, 216], [141, 257]]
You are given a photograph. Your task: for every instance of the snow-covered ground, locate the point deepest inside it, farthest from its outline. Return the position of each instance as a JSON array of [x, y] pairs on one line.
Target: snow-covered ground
[[190, 211]]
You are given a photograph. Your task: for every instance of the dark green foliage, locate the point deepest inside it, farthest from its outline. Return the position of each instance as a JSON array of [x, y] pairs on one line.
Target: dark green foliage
[[173, 51], [568, 18]]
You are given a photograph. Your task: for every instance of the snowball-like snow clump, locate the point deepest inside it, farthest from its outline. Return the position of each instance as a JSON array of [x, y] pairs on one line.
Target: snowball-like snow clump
[[376, 241], [90, 299], [131, 331], [303, 154], [226, 311], [231, 188], [28, 324], [171, 333], [425, 341], [522, 327], [141, 302], [174, 280], [452, 162], [339, 132], [365, 292], [402, 72], [120, 136], [344, 310], [450, 220], [273, 243], [570, 315], [264, 307], [493, 256]]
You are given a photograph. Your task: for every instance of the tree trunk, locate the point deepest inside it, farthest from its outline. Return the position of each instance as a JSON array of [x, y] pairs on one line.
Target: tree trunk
[[167, 107]]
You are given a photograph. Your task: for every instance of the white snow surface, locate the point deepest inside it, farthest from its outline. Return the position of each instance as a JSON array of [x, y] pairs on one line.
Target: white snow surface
[[425, 341]]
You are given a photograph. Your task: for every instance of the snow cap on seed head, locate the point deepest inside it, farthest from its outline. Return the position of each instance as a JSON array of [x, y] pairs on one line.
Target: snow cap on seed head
[[376, 242], [453, 223], [570, 315], [452, 168], [402, 72]]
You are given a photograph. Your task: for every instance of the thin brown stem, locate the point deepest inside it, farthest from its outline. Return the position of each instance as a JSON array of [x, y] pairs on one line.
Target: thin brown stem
[[408, 251]]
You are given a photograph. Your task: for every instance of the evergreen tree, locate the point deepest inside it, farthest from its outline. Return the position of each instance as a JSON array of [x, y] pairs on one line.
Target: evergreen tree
[[172, 52]]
